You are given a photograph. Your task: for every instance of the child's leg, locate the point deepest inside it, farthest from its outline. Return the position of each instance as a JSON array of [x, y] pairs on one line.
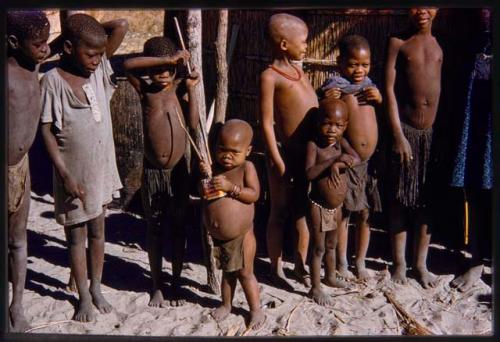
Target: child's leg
[[249, 282], [155, 256], [17, 243], [362, 242], [96, 251], [71, 287], [422, 241], [301, 251], [77, 237], [227, 286], [342, 238], [275, 227], [398, 242]]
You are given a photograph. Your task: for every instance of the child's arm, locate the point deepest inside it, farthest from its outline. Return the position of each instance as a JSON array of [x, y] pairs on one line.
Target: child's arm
[[251, 188], [116, 30], [370, 95], [70, 185], [267, 84], [193, 114], [313, 170], [349, 155], [401, 146]]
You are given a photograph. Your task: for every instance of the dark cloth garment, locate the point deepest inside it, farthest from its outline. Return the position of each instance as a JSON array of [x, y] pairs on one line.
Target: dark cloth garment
[[402, 217], [345, 86], [229, 254], [18, 180], [409, 183], [362, 189], [474, 162], [160, 187]]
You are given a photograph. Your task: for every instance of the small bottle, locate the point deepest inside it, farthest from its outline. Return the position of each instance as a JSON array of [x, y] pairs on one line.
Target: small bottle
[[209, 192]]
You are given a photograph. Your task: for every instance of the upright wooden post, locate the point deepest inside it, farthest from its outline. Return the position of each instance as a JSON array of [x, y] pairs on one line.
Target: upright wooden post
[[222, 70]]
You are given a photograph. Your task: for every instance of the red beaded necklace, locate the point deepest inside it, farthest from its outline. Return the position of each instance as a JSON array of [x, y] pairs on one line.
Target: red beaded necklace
[[285, 75]]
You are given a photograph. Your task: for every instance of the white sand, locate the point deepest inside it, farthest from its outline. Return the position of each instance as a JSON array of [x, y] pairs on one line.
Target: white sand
[[360, 310]]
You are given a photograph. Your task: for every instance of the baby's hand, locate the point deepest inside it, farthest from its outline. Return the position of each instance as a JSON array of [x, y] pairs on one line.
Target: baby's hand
[[333, 92], [370, 94], [193, 79], [221, 183], [73, 188], [205, 169], [182, 56], [347, 159], [335, 174]]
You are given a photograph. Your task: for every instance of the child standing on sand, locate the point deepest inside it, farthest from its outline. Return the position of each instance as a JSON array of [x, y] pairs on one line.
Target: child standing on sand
[[77, 130], [286, 100], [326, 157], [229, 219], [355, 87], [413, 87]]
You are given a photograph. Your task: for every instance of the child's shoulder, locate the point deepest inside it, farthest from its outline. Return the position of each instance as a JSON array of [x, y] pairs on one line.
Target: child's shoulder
[[51, 79]]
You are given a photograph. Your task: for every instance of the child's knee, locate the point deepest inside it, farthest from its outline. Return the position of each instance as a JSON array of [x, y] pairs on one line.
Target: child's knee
[[319, 250], [16, 242], [245, 274], [363, 215]]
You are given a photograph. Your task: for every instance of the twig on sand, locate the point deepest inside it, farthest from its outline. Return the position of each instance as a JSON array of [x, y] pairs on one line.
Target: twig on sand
[[413, 327], [48, 325], [291, 313], [345, 293], [232, 331]]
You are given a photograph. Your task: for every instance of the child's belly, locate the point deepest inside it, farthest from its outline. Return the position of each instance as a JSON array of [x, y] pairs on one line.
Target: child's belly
[[362, 131], [226, 218], [328, 195]]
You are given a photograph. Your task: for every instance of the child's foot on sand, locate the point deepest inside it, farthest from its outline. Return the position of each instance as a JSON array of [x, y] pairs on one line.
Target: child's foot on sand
[[177, 296], [361, 272], [302, 275], [399, 275], [17, 320], [257, 319], [344, 273], [425, 278], [220, 313], [320, 297], [85, 311], [279, 280], [334, 281], [100, 303], [157, 300], [468, 279]]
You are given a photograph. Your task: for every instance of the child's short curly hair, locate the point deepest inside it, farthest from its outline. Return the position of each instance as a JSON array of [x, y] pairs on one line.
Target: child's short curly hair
[[159, 47], [83, 26], [351, 42], [26, 24]]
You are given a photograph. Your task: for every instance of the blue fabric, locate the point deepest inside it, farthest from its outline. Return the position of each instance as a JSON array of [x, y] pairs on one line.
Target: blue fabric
[[473, 163], [345, 85]]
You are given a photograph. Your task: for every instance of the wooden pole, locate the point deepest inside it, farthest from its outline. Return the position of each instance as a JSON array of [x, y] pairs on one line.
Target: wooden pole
[[221, 66]]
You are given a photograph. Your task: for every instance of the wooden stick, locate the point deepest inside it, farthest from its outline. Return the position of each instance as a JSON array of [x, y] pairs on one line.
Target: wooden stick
[[413, 326], [291, 313], [182, 42], [48, 325], [189, 136]]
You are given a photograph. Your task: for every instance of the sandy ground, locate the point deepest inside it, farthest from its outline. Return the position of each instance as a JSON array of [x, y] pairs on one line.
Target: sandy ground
[[363, 309]]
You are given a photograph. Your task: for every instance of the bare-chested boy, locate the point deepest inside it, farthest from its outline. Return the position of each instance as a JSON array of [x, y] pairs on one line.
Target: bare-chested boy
[[327, 155], [286, 99], [165, 178], [355, 87], [27, 35], [77, 130], [413, 86], [229, 219]]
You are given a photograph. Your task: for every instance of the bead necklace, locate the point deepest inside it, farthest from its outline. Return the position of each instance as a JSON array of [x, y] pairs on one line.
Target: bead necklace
[[285, 75]]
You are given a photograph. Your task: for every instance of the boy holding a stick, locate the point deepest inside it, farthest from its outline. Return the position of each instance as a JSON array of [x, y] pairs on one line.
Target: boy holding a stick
[[165, 177]]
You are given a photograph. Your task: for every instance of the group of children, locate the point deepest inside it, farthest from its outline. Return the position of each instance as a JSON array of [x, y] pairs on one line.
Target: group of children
[[318, 176]]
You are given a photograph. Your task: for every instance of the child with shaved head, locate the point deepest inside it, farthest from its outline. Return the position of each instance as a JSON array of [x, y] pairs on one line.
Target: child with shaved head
[[77, 130], [27, 35], [327, 158], [286, 100], [229, 219]]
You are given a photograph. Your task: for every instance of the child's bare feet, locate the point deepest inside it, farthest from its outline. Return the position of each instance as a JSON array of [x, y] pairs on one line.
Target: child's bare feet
[[334, 281], [220, 313], [257, 319], [320, 297], [85, 311], [361, 271], [399, 274], [344, 273], [98, 299], [468, 279], [176, 296], [17, 320], [425, 278], [157, 300], [302, 275], [279, 280]]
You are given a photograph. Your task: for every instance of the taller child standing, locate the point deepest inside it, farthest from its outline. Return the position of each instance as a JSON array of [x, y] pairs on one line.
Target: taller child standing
[[27, 35], [413, 86], [77, 129], [286, 99]]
